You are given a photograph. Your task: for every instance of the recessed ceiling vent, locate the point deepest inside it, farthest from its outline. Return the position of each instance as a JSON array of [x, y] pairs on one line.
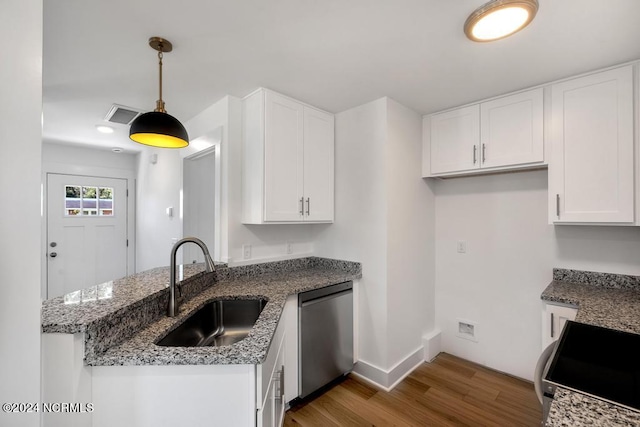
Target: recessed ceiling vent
[[121, 114]]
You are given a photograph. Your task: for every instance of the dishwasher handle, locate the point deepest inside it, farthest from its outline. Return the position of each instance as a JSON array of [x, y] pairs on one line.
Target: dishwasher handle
[[324, 291], [325, 298]]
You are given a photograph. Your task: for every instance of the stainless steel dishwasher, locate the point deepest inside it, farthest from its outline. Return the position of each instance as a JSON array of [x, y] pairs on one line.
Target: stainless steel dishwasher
[[325, 335]]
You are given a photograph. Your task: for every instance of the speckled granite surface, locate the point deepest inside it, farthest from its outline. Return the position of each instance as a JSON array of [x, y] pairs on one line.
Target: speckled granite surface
[[72, 313], [607, 300], [124, 329], [571, 409], [604, 280], [609, 303]]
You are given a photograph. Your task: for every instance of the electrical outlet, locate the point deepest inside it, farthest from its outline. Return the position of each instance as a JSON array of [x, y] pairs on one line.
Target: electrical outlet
[[462, 247], [289, 248], [246, 251]]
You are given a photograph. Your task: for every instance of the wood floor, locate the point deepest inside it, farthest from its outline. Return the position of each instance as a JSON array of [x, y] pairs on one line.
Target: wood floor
[[446, 392]]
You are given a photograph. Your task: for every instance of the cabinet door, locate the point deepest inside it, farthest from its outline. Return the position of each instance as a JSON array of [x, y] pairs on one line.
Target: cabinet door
[[265, 415], [512, 130], [283, 179], [318, 165], [278, 391], [553, 319], [455, 139], [591, 169], [271, 382]]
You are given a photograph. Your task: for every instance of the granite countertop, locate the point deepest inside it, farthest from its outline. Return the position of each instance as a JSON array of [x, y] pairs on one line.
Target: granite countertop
[[73, 312], [607, 300], [124, 330]]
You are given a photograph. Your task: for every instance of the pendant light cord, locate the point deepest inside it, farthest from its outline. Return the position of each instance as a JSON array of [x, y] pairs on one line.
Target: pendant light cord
[[160, 102]]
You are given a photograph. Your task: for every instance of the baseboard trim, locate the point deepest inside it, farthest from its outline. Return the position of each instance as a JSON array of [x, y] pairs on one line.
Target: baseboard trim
[[432, 344], [388, 379]]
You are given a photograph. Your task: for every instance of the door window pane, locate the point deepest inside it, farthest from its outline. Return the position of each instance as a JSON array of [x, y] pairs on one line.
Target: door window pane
[[88, 201]]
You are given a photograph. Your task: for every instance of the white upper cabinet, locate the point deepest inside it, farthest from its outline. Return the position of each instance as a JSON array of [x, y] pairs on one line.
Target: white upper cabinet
[[283, 154], [499, 134], [591, 170], [288, 161], [511, 130], [455, 136], [318, 165]]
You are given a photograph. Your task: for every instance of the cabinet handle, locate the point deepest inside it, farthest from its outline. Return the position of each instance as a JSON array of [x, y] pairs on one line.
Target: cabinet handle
[[301, 206], [474, 154], [308, 205], [483, 151], [282, 382], [279, 380], [558, 205], [552, 328]]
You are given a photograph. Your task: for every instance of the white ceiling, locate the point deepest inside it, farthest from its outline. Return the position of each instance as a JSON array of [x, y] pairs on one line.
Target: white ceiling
[[334, 54]]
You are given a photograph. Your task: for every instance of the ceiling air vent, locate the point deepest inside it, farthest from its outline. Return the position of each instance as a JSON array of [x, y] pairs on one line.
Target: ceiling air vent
[[121, 114]]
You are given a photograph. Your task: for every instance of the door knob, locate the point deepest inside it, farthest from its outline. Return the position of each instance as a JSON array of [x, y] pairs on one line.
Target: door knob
[[53, 254], [53, 244]]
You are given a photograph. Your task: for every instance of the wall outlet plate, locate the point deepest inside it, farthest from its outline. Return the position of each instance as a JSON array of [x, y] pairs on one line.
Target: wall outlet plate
[[289, 248], [246, 251]]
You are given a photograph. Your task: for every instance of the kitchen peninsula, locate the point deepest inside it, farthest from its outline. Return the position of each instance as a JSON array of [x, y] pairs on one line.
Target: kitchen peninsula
[[99, 345]]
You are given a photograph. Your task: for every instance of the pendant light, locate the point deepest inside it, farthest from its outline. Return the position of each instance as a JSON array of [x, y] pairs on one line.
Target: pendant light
[[157, 128], [498, 19]]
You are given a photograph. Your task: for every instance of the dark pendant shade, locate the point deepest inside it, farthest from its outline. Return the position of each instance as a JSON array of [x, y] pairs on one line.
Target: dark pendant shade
[[159, 130]]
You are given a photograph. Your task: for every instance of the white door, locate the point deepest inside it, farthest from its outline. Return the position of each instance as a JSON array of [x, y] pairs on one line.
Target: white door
[[512, 130], [86, 232], [283, 158], [199, 219], [455, 140], [591, 169], [318, 165]]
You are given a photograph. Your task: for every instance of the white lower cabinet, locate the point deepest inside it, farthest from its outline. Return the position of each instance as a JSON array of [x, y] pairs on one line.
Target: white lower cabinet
[[270, 383], [554, 316], [164, 395]]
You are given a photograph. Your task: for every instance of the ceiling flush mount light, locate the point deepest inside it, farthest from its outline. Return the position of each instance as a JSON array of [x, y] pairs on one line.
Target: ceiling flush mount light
[[499, 19], [157, 128], [104, 129]]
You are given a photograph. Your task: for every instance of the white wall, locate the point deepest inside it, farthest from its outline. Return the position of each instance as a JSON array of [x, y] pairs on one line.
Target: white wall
[[158, 187], [384, 219], [359, 232], [511, 251], [410, 235], [20, 139], [82, 160]]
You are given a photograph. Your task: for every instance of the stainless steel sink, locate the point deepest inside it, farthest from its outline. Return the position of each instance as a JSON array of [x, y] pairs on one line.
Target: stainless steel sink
[[218, 323]]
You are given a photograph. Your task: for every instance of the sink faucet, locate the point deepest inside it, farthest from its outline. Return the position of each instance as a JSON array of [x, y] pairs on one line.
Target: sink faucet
[[172, 308]]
